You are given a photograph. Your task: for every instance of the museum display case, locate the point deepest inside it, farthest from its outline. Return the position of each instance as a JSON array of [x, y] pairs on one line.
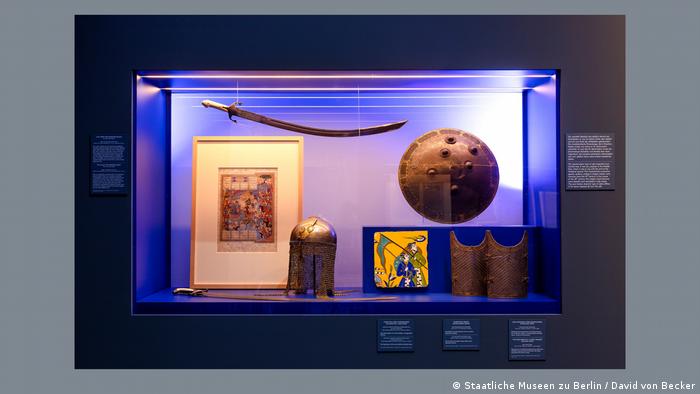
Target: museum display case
[[226, 163], [298, 192]]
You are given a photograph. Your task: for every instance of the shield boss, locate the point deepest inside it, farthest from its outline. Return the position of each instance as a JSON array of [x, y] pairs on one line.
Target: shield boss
[[448, 176]]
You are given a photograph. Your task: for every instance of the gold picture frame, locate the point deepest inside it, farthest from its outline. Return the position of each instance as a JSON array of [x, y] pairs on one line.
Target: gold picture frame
[[253, 185]]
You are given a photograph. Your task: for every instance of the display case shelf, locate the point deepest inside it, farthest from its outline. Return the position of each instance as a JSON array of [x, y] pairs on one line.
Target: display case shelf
[[165, 302]]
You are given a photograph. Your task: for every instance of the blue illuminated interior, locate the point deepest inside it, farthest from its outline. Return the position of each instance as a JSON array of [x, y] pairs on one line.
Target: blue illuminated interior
[[513, 111]]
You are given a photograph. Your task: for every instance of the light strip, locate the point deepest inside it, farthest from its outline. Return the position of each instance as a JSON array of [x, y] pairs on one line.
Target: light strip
[[518, 89], [355, 106], [349, 97], [341, 76], [366, 114]]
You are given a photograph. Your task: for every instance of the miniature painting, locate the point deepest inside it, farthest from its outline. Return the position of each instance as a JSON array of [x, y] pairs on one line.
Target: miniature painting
[[401, 259], [247, 210]]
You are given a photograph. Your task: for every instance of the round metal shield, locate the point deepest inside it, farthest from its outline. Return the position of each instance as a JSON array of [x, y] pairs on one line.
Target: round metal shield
[[448, 176]]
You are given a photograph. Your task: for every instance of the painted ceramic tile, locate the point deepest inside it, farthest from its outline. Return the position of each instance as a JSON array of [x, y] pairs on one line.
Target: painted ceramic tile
[[401, 259], [247, 210]]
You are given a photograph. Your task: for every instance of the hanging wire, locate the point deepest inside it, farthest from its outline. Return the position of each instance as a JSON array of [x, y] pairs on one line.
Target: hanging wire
[[358, 109]]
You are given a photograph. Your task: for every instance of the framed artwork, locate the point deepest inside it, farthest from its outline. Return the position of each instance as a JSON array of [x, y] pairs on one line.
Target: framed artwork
[[247, 217], [401, 259], [246, 191]]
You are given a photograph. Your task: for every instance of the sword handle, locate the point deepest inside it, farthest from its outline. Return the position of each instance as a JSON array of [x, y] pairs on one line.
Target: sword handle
[[189, 292], [214, 104]]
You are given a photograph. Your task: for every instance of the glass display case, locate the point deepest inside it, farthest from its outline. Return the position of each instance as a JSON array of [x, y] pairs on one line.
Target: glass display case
[[221, 198]]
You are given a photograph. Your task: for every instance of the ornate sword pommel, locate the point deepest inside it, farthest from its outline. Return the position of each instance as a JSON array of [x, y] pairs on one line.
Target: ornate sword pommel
[[188, 291]]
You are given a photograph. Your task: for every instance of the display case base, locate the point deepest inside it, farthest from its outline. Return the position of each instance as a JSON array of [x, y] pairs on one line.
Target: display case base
[[164, 302]]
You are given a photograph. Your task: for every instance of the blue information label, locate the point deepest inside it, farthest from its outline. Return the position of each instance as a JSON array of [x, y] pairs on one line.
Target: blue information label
[[109, 172], [526, 339], [395, 335], [461, 334]]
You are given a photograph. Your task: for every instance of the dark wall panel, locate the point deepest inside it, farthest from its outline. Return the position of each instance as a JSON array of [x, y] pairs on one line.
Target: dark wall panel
[[589, 52]]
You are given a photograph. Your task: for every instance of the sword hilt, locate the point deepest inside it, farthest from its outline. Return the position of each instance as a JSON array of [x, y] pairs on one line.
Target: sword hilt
[[214, 104], [189, 292]]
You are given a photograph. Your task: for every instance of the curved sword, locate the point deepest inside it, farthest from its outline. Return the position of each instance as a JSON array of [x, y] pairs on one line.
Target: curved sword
[[234, 110], [205, 293]]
